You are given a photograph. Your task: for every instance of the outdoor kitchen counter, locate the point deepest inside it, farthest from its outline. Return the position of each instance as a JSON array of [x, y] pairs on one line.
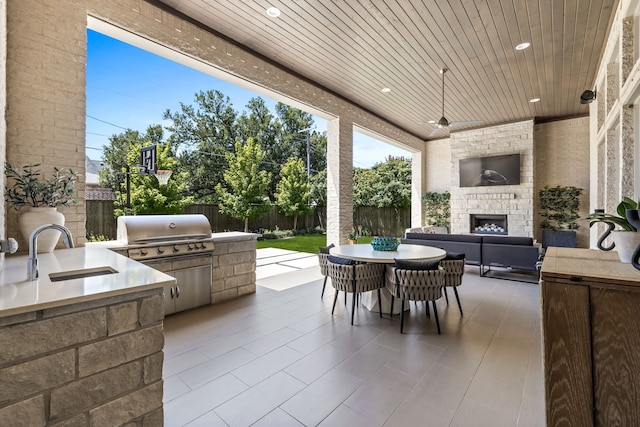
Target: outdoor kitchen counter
[[18, 295], [86, 351]]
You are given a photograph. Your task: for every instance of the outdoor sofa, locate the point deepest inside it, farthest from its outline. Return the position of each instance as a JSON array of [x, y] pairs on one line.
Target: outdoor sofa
[[485, 251]]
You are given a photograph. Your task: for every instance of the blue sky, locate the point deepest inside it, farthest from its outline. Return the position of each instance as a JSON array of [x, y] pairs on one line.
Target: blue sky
[[129, 87]]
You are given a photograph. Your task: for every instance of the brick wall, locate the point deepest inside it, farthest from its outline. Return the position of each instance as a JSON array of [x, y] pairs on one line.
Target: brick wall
[[46, 57], [516, 201], [562, 158], [438, 170], [97, 363]]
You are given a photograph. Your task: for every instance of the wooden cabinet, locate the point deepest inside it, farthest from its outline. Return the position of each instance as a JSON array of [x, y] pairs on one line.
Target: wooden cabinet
[[590, 338]]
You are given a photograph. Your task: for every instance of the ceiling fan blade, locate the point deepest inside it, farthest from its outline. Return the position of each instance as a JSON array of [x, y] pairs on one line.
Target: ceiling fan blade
[[435, 132]]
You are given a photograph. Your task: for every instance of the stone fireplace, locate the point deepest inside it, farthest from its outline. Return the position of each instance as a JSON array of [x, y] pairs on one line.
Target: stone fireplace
[[488, 224], [514, 201]]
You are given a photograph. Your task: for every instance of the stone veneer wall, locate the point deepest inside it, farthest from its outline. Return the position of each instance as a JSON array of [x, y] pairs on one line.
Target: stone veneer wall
[[234, 269], [95, 363], [516, 201]]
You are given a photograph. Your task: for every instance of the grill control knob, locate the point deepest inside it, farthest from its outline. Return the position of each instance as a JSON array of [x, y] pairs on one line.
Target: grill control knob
[[190, 246], [203, 245], [143, 251], [175, 248], [160, 250]]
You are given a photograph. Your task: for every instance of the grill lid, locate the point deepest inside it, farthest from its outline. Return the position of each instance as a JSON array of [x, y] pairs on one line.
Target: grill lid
[[140, 229]]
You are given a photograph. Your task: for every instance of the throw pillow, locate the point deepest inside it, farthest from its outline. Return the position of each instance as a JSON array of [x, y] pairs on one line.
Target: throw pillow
[[404, 264], [454, 256], [325, 249], [341, 261]]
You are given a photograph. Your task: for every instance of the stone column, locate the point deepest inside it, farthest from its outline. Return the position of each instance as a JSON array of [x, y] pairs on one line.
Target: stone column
[[3, 108], [339, 180], [627, 166], [418, 185]]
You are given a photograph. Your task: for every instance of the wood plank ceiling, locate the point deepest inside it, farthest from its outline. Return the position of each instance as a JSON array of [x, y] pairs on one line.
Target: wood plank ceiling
[[357, 47]]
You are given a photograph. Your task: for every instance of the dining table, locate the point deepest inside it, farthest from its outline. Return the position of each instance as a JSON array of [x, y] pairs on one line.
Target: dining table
[[366, 253]]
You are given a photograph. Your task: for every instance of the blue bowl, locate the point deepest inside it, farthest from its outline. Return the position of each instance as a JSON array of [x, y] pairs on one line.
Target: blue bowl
[[384, 243]]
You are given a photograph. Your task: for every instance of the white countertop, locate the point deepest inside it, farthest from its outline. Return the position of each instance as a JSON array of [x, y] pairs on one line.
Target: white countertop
[[17, 295], [365, 252]]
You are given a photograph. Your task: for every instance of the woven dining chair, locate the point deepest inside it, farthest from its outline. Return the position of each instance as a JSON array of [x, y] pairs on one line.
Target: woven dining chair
[[351, 277], [416, 281], [453, 265], [323, 254]]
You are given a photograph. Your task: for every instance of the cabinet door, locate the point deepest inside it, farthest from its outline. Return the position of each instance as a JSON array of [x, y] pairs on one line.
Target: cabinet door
[[193, 287], [616, 361], [567, 354]]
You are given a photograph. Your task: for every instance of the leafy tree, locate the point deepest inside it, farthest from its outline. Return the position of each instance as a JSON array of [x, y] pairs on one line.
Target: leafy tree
[[293, 190], [318, 190], [147, 195], [205, 133], [386, 184], [244, 196], [208, 129]]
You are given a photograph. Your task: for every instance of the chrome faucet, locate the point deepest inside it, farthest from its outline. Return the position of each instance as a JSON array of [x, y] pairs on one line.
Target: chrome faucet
[[32, 265]]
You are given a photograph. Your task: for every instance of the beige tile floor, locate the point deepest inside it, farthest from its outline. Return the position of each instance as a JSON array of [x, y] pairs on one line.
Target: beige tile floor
[[278, 358]]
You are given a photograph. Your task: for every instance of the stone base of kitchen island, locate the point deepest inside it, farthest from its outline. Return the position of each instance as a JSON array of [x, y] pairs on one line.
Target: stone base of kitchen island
[[234, 266], [95, 363]]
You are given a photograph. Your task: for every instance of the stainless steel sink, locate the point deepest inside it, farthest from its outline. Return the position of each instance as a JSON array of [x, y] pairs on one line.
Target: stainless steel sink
[[81, 274]]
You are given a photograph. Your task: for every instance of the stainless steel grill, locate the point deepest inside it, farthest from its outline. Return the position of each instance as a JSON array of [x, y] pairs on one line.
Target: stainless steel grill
[[179, 245], [158, 236]]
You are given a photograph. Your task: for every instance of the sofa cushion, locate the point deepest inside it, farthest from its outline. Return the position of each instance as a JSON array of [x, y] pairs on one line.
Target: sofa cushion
[[445, 237], [505, 240], [340, 260], [454, 256], [405, 264]]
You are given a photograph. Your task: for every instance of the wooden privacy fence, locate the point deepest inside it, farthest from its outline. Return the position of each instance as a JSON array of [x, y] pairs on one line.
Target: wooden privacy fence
[[378, 221]]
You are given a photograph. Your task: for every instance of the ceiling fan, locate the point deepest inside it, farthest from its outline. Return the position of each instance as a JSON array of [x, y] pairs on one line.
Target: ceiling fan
[[443, 122]]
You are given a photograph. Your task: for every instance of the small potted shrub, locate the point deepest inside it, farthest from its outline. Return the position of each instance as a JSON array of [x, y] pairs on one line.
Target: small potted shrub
[[559, 208], [352, 237], [40, 197], [437, 210]]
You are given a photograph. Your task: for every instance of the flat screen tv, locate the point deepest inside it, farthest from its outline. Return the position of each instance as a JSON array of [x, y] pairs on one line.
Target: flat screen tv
[[495, 170]]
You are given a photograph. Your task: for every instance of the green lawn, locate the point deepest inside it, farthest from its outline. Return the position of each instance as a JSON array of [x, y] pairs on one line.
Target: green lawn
[[308, 243]]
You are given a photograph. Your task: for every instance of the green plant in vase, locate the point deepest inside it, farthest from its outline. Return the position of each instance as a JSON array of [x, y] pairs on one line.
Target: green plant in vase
[[626, 238], [26, 188]]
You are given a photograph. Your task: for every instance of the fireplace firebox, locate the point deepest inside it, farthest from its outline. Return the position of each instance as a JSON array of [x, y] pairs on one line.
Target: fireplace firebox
[[488, 224]]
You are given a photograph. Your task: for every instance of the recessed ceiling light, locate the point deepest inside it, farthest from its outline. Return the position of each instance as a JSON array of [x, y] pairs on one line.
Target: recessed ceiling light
[[532, 100], [385, 89], [273, 12], [523, 46]]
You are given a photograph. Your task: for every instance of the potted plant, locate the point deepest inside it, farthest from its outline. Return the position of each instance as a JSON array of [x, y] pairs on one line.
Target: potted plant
[[626, 237], [437, 210], [559, 208], [352, 237], [41, 198]]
